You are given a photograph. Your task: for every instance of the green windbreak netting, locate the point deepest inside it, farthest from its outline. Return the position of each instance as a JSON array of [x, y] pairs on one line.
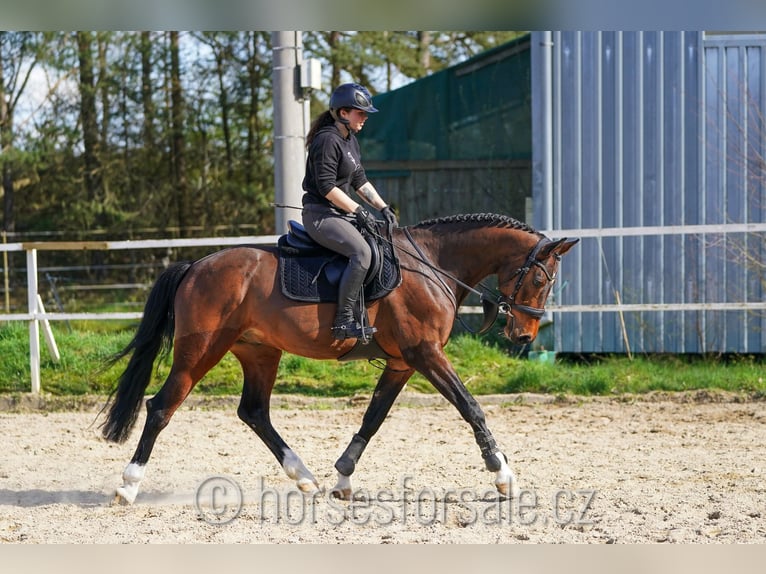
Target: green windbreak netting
[[477, 110]]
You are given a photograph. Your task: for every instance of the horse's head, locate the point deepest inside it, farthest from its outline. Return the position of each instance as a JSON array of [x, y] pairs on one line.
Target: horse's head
[[526, 289]]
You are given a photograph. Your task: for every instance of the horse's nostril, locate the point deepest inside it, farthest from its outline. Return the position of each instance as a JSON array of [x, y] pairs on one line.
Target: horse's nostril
[[524, 340]]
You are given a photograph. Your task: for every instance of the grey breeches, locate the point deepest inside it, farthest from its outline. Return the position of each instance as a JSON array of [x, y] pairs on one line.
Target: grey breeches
[[336, 232]]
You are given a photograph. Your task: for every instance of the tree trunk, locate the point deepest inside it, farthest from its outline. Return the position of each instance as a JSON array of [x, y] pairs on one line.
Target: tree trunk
[[332, 41], [88, 119], [90, 137], [253, 125], [102, 87], [424, 51], [147, 91], [6, 142], [223, 102], [178, 139]]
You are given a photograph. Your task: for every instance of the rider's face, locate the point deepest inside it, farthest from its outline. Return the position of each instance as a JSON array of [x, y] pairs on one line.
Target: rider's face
[[356, 119]]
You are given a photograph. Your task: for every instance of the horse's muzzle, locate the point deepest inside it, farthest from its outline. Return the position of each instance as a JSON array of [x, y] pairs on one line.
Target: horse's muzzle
[[523, 340], [519, 336], [520, 332]]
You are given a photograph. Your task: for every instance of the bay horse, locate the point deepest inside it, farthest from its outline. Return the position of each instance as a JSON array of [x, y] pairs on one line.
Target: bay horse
[[231, 301]]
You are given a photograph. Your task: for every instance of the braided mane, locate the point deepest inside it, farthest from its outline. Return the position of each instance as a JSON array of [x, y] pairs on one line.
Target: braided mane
[[479, 220]]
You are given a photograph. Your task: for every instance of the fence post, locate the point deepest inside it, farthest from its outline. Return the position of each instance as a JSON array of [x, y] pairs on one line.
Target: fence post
[[6, 279], [34, 326]]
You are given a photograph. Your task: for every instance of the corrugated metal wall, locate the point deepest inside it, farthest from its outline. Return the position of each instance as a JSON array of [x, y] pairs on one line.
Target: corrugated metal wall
[[653, 129]]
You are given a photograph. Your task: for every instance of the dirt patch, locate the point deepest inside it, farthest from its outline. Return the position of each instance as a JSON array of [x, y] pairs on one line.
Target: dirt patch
[[658, 468]]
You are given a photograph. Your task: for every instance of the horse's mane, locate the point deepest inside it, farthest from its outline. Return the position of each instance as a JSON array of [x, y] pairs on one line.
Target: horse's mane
[[479, 220]]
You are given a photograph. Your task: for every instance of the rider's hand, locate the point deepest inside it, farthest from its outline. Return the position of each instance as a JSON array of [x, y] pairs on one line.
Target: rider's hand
[[366, 220], [390, 216]]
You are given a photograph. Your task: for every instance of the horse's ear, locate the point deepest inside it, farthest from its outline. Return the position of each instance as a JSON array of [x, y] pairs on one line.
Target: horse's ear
[[559, 247], [566, 245]]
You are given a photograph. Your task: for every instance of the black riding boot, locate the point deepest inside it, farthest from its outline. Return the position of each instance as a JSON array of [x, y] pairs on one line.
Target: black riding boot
[[346, 326]]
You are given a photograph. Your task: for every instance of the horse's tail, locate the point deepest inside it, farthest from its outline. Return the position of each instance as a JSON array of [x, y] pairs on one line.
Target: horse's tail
[[153, 337]]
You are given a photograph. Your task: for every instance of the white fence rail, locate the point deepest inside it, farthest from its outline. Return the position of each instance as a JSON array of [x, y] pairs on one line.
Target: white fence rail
[[35, 314]]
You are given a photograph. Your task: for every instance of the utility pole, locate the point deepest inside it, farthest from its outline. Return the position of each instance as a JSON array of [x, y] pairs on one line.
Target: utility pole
[[289, 129]]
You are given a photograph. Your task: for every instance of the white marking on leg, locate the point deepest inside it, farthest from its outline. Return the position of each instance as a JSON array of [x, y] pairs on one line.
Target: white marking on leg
[[342, 488], [131, 478], [296, 470], [505, 481]]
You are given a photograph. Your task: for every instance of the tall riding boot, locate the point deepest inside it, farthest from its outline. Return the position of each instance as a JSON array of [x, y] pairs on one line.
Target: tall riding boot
[[346, 326]]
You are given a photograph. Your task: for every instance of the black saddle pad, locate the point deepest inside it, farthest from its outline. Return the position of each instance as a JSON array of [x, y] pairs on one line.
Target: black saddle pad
[[310, 272]]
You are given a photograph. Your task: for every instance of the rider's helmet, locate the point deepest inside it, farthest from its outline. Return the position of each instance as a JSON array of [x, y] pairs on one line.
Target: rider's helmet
[[350, 96]]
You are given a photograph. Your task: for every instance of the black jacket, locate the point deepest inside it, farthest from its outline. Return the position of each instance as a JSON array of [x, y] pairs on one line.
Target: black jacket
[[333, 161]]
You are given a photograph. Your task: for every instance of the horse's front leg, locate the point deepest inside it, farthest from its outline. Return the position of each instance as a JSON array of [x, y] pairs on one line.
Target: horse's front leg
[[390, 384], [430, 360]]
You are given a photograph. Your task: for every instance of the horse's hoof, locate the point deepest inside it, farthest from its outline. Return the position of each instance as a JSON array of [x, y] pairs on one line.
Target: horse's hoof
[[341, 493], [342, 489], [308, 486], [124, 496], [508, 489]]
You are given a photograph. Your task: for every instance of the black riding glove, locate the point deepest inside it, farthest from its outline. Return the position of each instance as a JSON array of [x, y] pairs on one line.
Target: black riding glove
[[390, 216], [366, 220]]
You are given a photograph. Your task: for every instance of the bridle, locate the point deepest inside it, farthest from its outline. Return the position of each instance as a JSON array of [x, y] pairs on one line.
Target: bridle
[[491, 300], [507, 304]]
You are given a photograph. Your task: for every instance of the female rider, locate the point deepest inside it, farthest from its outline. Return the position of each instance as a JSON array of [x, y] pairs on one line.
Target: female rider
[[333, 170]]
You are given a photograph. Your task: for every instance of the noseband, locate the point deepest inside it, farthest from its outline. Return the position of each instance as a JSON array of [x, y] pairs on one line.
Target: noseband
[[508, 304]]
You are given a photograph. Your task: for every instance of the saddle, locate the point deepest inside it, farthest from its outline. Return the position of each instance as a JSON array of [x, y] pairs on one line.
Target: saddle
[[310, 272]]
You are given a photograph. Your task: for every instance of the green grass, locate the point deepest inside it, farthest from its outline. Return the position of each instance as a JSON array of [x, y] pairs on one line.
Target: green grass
[[485, 367]]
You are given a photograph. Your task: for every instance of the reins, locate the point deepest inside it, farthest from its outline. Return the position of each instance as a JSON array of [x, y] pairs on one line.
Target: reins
[[491, 307], [497, 302], [492, 300]]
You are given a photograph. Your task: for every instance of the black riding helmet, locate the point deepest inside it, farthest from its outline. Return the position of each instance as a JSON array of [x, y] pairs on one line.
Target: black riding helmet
[[350, 96]]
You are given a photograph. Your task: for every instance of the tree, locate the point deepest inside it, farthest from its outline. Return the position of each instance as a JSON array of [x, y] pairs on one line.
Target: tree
[[89, 122], [178, 138], [19, 55], [148, 131]]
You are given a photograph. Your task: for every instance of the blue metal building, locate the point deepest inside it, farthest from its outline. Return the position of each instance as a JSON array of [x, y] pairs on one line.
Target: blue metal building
[[646, 130], [645, 143]]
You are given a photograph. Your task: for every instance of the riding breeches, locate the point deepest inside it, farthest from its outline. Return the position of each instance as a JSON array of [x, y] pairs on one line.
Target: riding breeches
[[330, 229]]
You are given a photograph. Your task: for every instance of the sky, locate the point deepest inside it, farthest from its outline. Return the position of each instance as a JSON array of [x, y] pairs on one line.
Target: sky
[[377, 15]]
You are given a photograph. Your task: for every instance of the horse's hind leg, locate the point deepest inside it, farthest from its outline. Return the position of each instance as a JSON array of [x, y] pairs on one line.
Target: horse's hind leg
[[390, 384], [159, 410], [193, 357], [259, 364]]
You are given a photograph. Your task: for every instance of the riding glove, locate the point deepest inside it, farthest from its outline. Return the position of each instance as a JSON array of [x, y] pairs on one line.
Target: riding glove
[[366, 220], [390, 216]]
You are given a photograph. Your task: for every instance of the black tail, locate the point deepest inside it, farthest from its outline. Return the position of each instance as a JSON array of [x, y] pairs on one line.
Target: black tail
[[154, 337]]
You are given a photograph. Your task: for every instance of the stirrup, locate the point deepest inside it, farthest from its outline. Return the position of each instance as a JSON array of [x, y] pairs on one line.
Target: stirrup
[[353, 330]]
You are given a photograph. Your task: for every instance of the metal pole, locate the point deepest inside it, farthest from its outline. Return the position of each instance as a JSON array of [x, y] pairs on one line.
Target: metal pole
[[306, 122], [289, 143], [547, 117]]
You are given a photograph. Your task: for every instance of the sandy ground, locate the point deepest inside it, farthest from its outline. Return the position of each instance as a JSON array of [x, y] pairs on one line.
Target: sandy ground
[[662, 469]]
